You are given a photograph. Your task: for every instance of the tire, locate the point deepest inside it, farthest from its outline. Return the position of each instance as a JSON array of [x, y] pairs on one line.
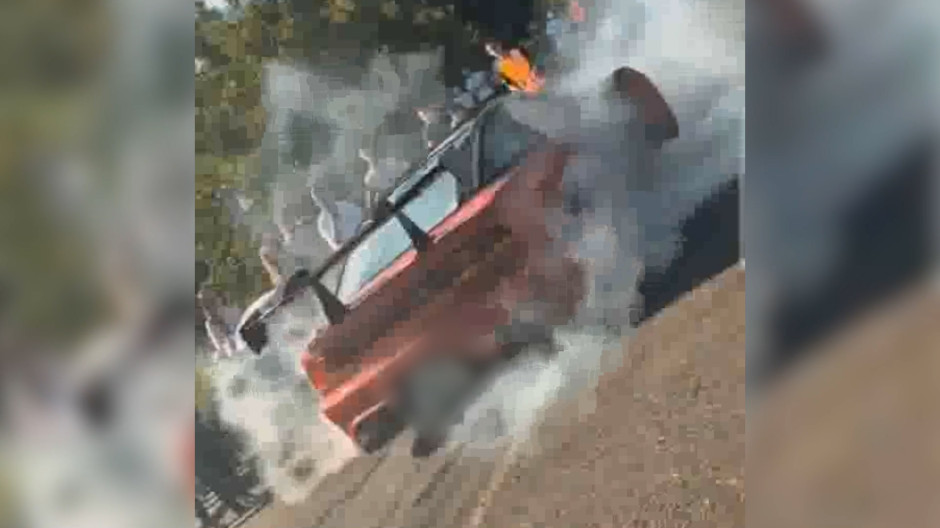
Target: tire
[[520, 337], [432, 398], [426, 444], [378, 430]]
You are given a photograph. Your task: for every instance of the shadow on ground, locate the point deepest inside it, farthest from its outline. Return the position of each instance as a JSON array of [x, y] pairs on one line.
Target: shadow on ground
[[886, 246], [709, 244]]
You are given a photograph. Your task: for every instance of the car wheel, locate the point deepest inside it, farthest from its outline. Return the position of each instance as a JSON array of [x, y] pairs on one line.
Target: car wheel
[[378, 430], [433, 395], [528, 337], [425, 444]]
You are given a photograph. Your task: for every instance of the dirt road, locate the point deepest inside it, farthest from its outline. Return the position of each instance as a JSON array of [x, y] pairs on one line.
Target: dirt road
[[849, 436], [659, 443]]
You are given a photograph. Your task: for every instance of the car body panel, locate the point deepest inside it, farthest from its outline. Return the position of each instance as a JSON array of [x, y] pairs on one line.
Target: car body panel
[[483, 261]]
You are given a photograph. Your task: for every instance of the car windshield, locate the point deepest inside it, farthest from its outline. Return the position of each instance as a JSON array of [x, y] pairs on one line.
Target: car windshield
[[384, 245]]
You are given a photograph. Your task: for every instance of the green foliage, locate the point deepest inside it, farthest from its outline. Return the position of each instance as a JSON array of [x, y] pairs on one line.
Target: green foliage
[[230, 121], [226, 245]]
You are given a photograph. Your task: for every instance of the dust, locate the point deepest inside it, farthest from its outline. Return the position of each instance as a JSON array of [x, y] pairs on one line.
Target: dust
[[635, 197], [269, 399], [518, 397], [318, 121]]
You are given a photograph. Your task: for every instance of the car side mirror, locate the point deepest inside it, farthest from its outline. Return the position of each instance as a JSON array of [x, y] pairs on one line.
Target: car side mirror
[[255, 335]]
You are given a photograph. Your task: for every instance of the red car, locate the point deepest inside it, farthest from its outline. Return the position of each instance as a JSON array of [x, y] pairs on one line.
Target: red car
[[456, 272]]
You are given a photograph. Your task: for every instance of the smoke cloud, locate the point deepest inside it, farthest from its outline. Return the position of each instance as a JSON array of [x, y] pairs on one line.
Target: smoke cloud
[[318, 122], [695, 57], [269, 399]]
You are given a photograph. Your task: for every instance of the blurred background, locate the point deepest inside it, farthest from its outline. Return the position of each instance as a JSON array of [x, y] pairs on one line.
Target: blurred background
[[102, 220], [840, 203], [840, 230], [97, 217]]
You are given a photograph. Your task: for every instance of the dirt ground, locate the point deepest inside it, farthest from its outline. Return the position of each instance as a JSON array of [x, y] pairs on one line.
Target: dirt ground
[[659, 443], [849, 437]]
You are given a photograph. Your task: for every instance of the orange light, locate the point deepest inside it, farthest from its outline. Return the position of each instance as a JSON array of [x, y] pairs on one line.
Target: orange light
[[576, 12]]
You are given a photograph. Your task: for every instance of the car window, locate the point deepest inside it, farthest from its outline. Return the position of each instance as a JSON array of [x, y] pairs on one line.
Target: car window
[[505, 142], [390, 240], [459, 160], [330, 278]]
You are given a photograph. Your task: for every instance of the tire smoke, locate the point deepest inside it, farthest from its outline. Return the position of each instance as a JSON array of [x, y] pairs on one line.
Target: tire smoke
[[268, 398], [636, 197]]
